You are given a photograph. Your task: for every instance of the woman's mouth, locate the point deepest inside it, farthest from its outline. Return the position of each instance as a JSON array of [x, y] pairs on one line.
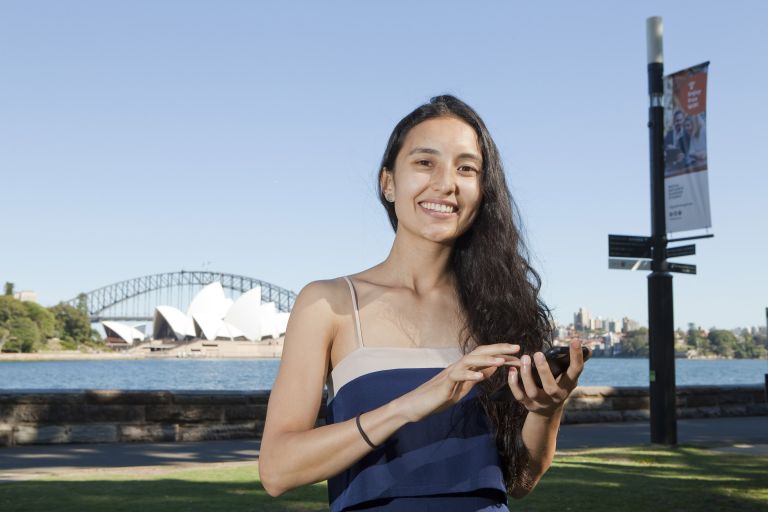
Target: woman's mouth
[[441, 211]]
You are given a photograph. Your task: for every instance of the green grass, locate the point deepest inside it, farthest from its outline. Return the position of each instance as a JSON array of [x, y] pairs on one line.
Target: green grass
[[626, 479]]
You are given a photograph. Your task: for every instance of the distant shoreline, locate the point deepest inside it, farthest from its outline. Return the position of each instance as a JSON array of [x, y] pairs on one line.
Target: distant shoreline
[[109, 356], [256, 352]]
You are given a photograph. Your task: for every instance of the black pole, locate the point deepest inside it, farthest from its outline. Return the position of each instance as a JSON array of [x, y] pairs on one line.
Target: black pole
[[661, 331]]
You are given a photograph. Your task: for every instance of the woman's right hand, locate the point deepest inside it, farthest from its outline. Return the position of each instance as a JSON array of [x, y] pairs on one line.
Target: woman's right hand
[[453, 383]]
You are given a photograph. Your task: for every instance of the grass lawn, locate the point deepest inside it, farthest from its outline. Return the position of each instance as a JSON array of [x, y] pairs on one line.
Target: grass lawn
[[626, 479]]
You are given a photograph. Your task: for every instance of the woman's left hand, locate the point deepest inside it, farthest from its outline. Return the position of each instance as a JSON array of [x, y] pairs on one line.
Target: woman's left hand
[[550, 399]]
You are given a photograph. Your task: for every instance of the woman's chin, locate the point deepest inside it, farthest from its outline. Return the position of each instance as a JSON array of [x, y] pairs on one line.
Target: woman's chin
[[441, 236]]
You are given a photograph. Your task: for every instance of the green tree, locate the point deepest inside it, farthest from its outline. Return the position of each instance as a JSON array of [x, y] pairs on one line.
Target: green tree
[[11, 308], [23, 335], [72, 324], [693, 336], [44, 319], [722, 343], [9, 289], [82, 302], [635, 343]]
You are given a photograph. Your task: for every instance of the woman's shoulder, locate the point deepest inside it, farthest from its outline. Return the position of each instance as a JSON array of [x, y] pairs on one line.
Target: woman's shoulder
[[331, 294]]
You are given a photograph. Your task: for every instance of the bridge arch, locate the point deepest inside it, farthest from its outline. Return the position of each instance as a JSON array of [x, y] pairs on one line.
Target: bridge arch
[[102, 299]]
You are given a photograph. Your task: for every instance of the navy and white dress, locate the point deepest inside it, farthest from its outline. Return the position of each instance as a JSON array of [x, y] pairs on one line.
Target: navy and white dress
[[447, 461]]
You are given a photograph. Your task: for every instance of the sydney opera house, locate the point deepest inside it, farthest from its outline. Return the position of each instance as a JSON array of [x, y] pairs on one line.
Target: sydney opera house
[[210, 316]]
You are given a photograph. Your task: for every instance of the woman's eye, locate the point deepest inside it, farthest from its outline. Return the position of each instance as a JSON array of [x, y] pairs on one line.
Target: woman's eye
[[423, 162], [467, 168]]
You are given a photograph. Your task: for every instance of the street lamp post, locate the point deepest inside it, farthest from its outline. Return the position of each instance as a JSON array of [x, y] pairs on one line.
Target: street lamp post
[[661, 340]]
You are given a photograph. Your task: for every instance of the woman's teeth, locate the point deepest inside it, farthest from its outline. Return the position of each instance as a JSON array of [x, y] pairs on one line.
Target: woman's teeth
[[443, 208]]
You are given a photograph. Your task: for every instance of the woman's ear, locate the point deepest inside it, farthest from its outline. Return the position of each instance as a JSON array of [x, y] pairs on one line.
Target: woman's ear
[[387, 183]]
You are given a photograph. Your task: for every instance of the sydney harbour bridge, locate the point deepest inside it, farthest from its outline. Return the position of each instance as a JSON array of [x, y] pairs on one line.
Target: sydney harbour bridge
[[135, 299]]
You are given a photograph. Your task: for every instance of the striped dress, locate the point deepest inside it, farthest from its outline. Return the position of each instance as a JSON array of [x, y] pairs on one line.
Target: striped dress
[[447, 461]]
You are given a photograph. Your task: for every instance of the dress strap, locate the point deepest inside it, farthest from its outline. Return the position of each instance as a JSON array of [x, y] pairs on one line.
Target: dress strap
[[358, 330]]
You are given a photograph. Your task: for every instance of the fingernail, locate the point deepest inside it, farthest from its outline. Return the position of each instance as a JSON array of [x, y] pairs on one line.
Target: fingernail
[[526, 359], [539, 357]]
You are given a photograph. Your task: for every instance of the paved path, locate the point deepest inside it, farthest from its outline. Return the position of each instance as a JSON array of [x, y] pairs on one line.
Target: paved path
[[747, 435]]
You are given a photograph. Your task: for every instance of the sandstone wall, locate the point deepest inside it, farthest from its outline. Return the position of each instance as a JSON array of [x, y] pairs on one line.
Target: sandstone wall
[[109, 416]]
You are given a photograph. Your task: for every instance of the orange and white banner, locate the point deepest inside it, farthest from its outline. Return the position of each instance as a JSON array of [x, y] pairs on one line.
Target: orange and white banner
[[686, 181]]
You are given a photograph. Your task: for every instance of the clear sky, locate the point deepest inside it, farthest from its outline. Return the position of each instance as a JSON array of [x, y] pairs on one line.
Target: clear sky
[[143, 137]]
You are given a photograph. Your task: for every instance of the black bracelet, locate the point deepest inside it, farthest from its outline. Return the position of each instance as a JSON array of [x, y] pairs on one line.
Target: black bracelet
[[357, 420]]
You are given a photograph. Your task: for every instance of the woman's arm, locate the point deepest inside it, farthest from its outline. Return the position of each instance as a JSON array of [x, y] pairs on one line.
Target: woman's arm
[[293, 452], [545, 409], [310, 456], [540, 437]]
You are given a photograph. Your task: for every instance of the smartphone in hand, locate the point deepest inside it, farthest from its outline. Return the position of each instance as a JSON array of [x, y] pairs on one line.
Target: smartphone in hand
[[559, 358]]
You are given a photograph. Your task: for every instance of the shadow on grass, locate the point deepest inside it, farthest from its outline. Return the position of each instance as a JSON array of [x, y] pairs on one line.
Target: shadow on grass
[[626, 479], [648, 478], [175, 493]]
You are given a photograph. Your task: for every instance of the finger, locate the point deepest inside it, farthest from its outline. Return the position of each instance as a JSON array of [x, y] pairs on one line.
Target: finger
[[577, 360], [470, 375], [514, 384], [545, 374], [476, 362], [530, 387], [496, 348], [566, 383]]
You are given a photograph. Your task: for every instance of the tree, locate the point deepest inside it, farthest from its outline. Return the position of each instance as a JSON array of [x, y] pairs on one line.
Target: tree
[[44, 319], [23, 335], [723, 343], [9, 289], [10, 308], [635, 343], [71, 323], [82, 302]]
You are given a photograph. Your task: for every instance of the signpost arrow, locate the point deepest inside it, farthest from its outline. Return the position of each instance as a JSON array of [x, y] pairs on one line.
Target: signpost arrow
[[682, 268], [629, 264], [682, 250], [625, 246]]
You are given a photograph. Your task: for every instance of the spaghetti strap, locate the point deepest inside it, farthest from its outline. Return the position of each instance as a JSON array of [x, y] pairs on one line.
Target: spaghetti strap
[[358, 330]]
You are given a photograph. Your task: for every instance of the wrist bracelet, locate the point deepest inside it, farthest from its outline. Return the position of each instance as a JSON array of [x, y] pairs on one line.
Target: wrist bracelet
[[357, 420]]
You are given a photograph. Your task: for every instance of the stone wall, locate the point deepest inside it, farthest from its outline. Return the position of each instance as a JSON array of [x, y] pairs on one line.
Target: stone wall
[[109, 416]]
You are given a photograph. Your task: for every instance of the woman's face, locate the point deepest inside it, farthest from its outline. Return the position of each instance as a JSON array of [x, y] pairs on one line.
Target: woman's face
[[440, 163]]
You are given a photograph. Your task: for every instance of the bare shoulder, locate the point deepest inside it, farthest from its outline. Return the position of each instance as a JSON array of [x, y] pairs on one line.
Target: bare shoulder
[[322, 296], [296, 394]]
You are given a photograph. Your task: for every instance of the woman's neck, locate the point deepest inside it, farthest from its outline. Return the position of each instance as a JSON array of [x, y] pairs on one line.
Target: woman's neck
[[419, 264]]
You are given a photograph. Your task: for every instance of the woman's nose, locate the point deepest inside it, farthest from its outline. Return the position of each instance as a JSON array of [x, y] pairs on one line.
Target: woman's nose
[[443, 178]]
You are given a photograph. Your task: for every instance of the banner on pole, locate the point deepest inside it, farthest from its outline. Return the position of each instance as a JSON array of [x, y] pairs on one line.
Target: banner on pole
[[686, 185]]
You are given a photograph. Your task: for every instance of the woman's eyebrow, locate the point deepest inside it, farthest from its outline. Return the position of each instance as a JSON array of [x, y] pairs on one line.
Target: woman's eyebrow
[[471, 156], [432, 151], [420, 149]]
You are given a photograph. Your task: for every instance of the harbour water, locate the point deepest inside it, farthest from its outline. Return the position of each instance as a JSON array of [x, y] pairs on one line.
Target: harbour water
[[254, 374]]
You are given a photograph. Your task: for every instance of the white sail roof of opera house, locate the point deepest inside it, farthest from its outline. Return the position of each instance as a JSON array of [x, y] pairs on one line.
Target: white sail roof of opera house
[[244, 314], [211, 316], [122, 332], [207, 309], [170, 318]]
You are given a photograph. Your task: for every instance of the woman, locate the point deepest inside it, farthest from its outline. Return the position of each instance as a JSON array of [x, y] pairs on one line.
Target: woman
[[411, 348], [696, 150]]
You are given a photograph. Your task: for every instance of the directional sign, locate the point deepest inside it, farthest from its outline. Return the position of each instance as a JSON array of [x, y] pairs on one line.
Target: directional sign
[[630, 239], [625, 246], [682, 268], [683, 250], [629, 264]]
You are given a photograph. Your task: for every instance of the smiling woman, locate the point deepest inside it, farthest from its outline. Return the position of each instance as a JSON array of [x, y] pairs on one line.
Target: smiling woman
[[409, 422]]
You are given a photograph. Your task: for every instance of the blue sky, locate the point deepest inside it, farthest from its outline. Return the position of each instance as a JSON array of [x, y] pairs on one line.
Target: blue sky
[[143, 137]]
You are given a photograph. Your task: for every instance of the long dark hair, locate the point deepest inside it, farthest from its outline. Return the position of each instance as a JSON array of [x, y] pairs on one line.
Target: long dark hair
[[497, 287]]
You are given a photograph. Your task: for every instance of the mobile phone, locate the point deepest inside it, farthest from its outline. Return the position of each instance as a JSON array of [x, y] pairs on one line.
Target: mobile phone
[[559, 358]]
